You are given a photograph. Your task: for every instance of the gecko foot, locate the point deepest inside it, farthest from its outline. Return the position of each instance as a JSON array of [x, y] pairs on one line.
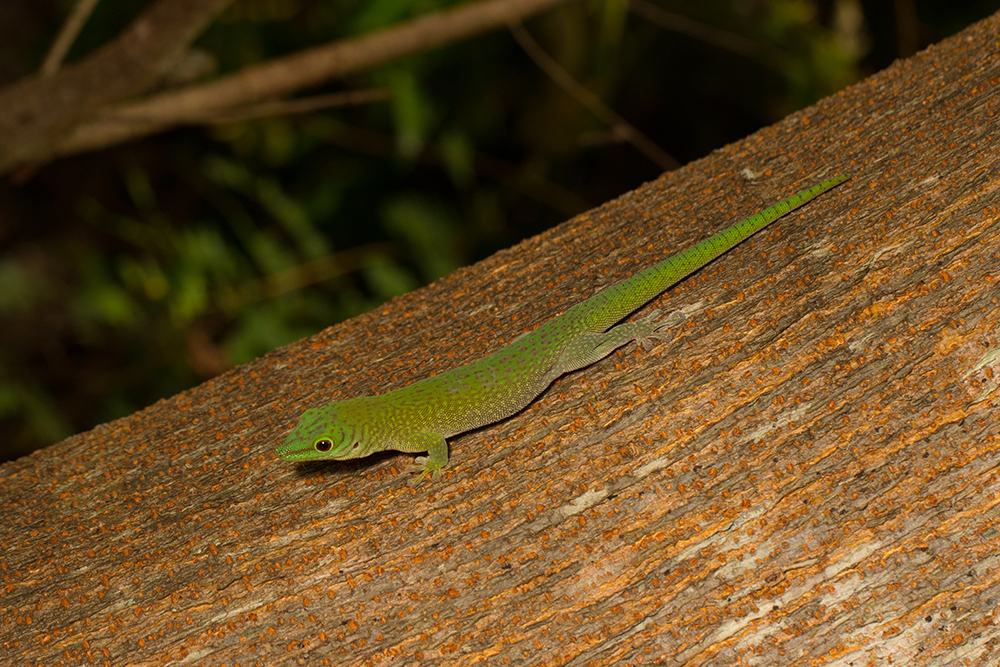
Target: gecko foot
[[424, 466], [655, 329]]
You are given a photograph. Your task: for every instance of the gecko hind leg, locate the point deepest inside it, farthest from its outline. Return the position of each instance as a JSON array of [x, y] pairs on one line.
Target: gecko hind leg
[[654, 329], [590, 347]]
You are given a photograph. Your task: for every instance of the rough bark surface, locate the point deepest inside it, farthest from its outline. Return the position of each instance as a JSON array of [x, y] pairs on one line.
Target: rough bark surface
[[808, 475]]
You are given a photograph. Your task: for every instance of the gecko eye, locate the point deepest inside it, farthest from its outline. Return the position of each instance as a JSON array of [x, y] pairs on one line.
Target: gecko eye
[[323, 445]]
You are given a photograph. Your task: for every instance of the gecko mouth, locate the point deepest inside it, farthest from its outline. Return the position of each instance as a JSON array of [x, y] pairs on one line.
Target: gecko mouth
[[288, 454]]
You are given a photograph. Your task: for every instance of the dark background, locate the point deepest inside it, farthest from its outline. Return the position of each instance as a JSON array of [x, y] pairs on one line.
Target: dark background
[[129, 274]]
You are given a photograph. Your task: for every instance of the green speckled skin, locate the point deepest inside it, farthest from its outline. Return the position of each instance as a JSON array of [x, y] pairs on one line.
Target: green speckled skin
[[421, 416]]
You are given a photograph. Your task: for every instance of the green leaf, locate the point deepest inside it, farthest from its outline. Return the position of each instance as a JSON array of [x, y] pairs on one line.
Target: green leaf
[[458, 158], [262, 329], [140, 189], [229, 173], [430, 231], [36, 409], [412, 113], [380, 13], [293, 217], [189, 297], [389, 280]]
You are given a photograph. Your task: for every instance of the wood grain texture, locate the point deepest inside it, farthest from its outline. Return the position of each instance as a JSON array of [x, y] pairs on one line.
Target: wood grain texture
[[808, 475]]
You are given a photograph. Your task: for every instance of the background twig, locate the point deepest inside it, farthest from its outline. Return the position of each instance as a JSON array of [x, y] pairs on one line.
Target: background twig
[[270, 80], [564, 80], [67, 35]]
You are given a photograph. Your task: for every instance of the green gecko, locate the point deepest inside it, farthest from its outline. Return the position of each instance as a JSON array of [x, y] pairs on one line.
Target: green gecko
[[420, 417]]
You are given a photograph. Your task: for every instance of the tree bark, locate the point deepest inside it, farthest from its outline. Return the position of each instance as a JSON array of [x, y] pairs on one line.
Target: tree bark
[[808, 475]]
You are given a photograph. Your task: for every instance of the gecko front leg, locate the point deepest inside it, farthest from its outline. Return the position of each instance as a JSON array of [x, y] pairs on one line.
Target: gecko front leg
[[437, 456]]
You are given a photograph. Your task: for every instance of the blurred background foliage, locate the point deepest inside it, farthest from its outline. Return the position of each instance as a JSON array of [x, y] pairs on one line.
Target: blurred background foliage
[[130, 274]]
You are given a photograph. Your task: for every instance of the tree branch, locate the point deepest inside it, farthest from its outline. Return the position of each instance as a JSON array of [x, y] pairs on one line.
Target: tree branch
[[35, 113], [621, 127], [67, 35], [266, 81]]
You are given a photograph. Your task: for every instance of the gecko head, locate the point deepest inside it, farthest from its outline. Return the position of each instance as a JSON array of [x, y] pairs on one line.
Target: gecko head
[[323, 433]]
